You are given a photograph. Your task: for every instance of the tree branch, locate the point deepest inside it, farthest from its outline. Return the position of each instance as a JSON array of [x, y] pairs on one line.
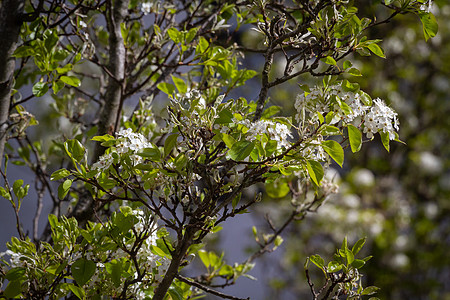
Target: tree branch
[[10, 23]]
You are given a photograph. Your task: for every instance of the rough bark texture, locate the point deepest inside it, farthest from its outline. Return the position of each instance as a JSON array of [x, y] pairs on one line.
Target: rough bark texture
[[109, 116], [10, 23], [175, 263], [116, 12]]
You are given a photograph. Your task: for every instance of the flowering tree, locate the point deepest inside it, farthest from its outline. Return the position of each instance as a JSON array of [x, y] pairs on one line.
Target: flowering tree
[[136, 205]]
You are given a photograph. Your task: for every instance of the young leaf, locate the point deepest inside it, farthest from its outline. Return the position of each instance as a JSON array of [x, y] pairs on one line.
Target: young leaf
[[429, 24], [329, 60], [385, 140], [277, 189], [334, 150], [77, 291], [377, 50], [39, 89], [167, 88], [204, 257], [358, 263], [170, 143], [150, 153], [64, 188], [358, 245], [318, 261], [240, 150], [315, 171], [71, 80], [333, 266], [82, 270], [354, 72], [180, 84], [174, 35], [59, 174], [355, 138], [370, 290]]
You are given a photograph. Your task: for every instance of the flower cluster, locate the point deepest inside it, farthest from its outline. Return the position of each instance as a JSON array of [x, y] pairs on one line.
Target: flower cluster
[[348, 107], [380, 118], [127, 142], [275, 131], [152, 266]]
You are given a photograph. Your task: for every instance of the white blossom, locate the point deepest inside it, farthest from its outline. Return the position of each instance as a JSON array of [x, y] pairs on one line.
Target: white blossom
[[104, 162], [146, 8], [380, 118]]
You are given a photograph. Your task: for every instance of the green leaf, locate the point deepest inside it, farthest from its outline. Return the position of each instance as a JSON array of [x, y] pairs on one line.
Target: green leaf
[[64, 188], [334, 150], [270, 111], [158, 251], [13, 289], [39, 89], [315, 171], [174, 35], [429, 24], [228, 140], [387, 2], [330, 130], [358, 245], [204, 257], [354, 72], [329, 60], [77, 291], [271, 147], [16, 186], [334, 266], [349, 256], [347, 64], [74, 149], [167, 88], [344, 244], [59, 174], [355, 138], [15, 274], [191, 34], [64, 69], [170, 143], [150, 153], [318, 261], [57, 86], [377, 50], [385, 140], [225, 116], [240, 150], [277, 188], [71, 80], [114, 268], [103, 138], [175, 293], [82, 270], [349, 86], [202, 45], [365, 98], [180, 84], [4, 193], [24, 51], [370, 290], [358, 263], [278, 241]]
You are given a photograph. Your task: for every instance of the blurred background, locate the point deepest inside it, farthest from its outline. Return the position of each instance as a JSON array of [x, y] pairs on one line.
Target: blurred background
[[399, 200]]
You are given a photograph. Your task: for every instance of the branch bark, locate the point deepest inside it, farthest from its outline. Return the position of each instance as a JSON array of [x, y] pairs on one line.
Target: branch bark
[[10, 23], [175, 263], [110, 115], [116, 11]]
